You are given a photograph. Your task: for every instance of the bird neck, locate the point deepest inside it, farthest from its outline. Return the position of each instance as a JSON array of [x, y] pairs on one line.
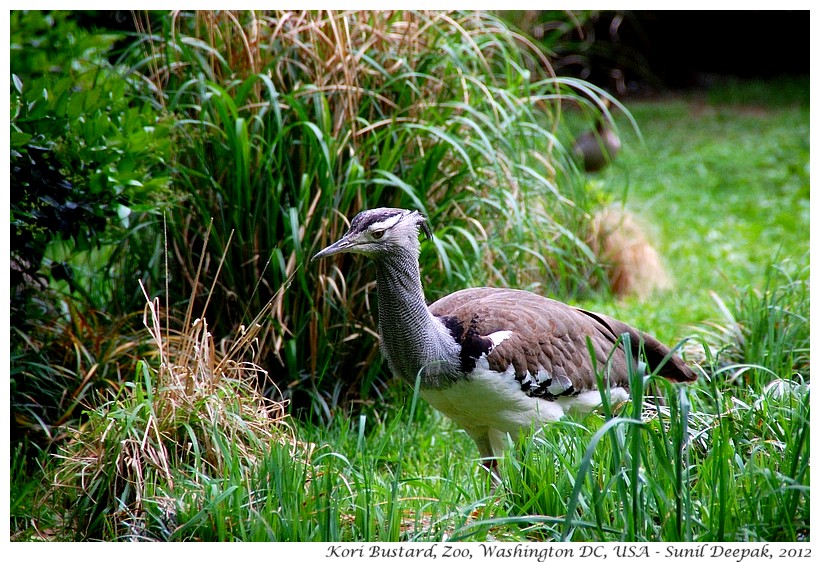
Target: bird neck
[[413, 341]]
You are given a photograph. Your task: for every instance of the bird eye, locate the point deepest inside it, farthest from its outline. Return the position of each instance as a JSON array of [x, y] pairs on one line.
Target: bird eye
[[377, 234]]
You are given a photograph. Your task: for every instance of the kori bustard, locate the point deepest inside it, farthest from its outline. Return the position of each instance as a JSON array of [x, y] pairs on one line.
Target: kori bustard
[[494, 360]]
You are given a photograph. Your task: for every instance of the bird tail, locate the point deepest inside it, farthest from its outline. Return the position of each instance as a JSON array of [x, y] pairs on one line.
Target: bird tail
[[658, 355]]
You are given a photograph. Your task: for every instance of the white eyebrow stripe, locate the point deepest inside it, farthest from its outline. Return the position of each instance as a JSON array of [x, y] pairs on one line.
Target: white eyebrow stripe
[[386, 223]]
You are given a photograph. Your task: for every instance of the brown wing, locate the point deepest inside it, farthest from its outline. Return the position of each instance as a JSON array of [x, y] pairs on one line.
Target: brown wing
[[548, 344]]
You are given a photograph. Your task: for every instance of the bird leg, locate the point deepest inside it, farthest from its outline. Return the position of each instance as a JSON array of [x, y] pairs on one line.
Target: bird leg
[[488, 459], [491, 466]]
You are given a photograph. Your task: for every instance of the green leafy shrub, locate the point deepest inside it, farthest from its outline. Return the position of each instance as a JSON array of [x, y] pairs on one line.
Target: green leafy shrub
[[91, 167]]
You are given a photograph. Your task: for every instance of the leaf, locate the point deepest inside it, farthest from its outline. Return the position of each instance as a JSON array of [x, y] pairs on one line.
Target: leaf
[[19, 139]]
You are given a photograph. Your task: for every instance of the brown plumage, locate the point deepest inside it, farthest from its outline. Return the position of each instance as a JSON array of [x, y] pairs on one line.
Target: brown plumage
[[548, 335]]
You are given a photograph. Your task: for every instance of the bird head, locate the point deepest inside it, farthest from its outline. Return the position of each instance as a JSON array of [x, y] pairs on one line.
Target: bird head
[[380, 231]]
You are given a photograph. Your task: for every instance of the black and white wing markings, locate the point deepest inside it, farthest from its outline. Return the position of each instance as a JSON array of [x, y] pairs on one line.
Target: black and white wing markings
[[544, 383], [474, 346]]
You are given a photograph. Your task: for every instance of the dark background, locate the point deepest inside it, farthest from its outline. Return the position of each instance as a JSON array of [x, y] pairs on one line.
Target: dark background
[[641, 52], [644, 52]]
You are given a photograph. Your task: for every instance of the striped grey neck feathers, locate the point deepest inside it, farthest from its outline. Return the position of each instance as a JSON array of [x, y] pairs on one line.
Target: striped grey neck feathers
[[412, 340]]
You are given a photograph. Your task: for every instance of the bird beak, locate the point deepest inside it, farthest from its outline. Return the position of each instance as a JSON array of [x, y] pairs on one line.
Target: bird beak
[[341, 245]]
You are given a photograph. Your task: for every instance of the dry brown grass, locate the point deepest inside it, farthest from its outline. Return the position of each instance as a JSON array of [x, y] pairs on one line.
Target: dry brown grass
[[632, 264], [327, 49], [195, 411]]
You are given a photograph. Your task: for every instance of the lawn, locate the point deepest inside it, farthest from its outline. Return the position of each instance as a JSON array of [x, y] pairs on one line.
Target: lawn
[[722, 180]]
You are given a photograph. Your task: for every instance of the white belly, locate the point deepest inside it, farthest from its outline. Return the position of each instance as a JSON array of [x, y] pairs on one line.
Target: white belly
[[495, 401]]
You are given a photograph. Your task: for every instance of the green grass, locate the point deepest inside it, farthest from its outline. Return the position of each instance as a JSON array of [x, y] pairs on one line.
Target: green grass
[[724, 190]]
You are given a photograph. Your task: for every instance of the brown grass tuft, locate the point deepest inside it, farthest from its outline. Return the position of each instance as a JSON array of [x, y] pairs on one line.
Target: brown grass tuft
[[194, 411], [633, 266]]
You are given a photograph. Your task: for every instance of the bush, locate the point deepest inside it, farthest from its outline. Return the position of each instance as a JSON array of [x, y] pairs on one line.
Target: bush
[[91, 169]]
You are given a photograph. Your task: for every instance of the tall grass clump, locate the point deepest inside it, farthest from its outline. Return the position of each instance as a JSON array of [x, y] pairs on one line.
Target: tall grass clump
[[703, 464], [192, 420], [753, 459], [296, 120], [764, 333]]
